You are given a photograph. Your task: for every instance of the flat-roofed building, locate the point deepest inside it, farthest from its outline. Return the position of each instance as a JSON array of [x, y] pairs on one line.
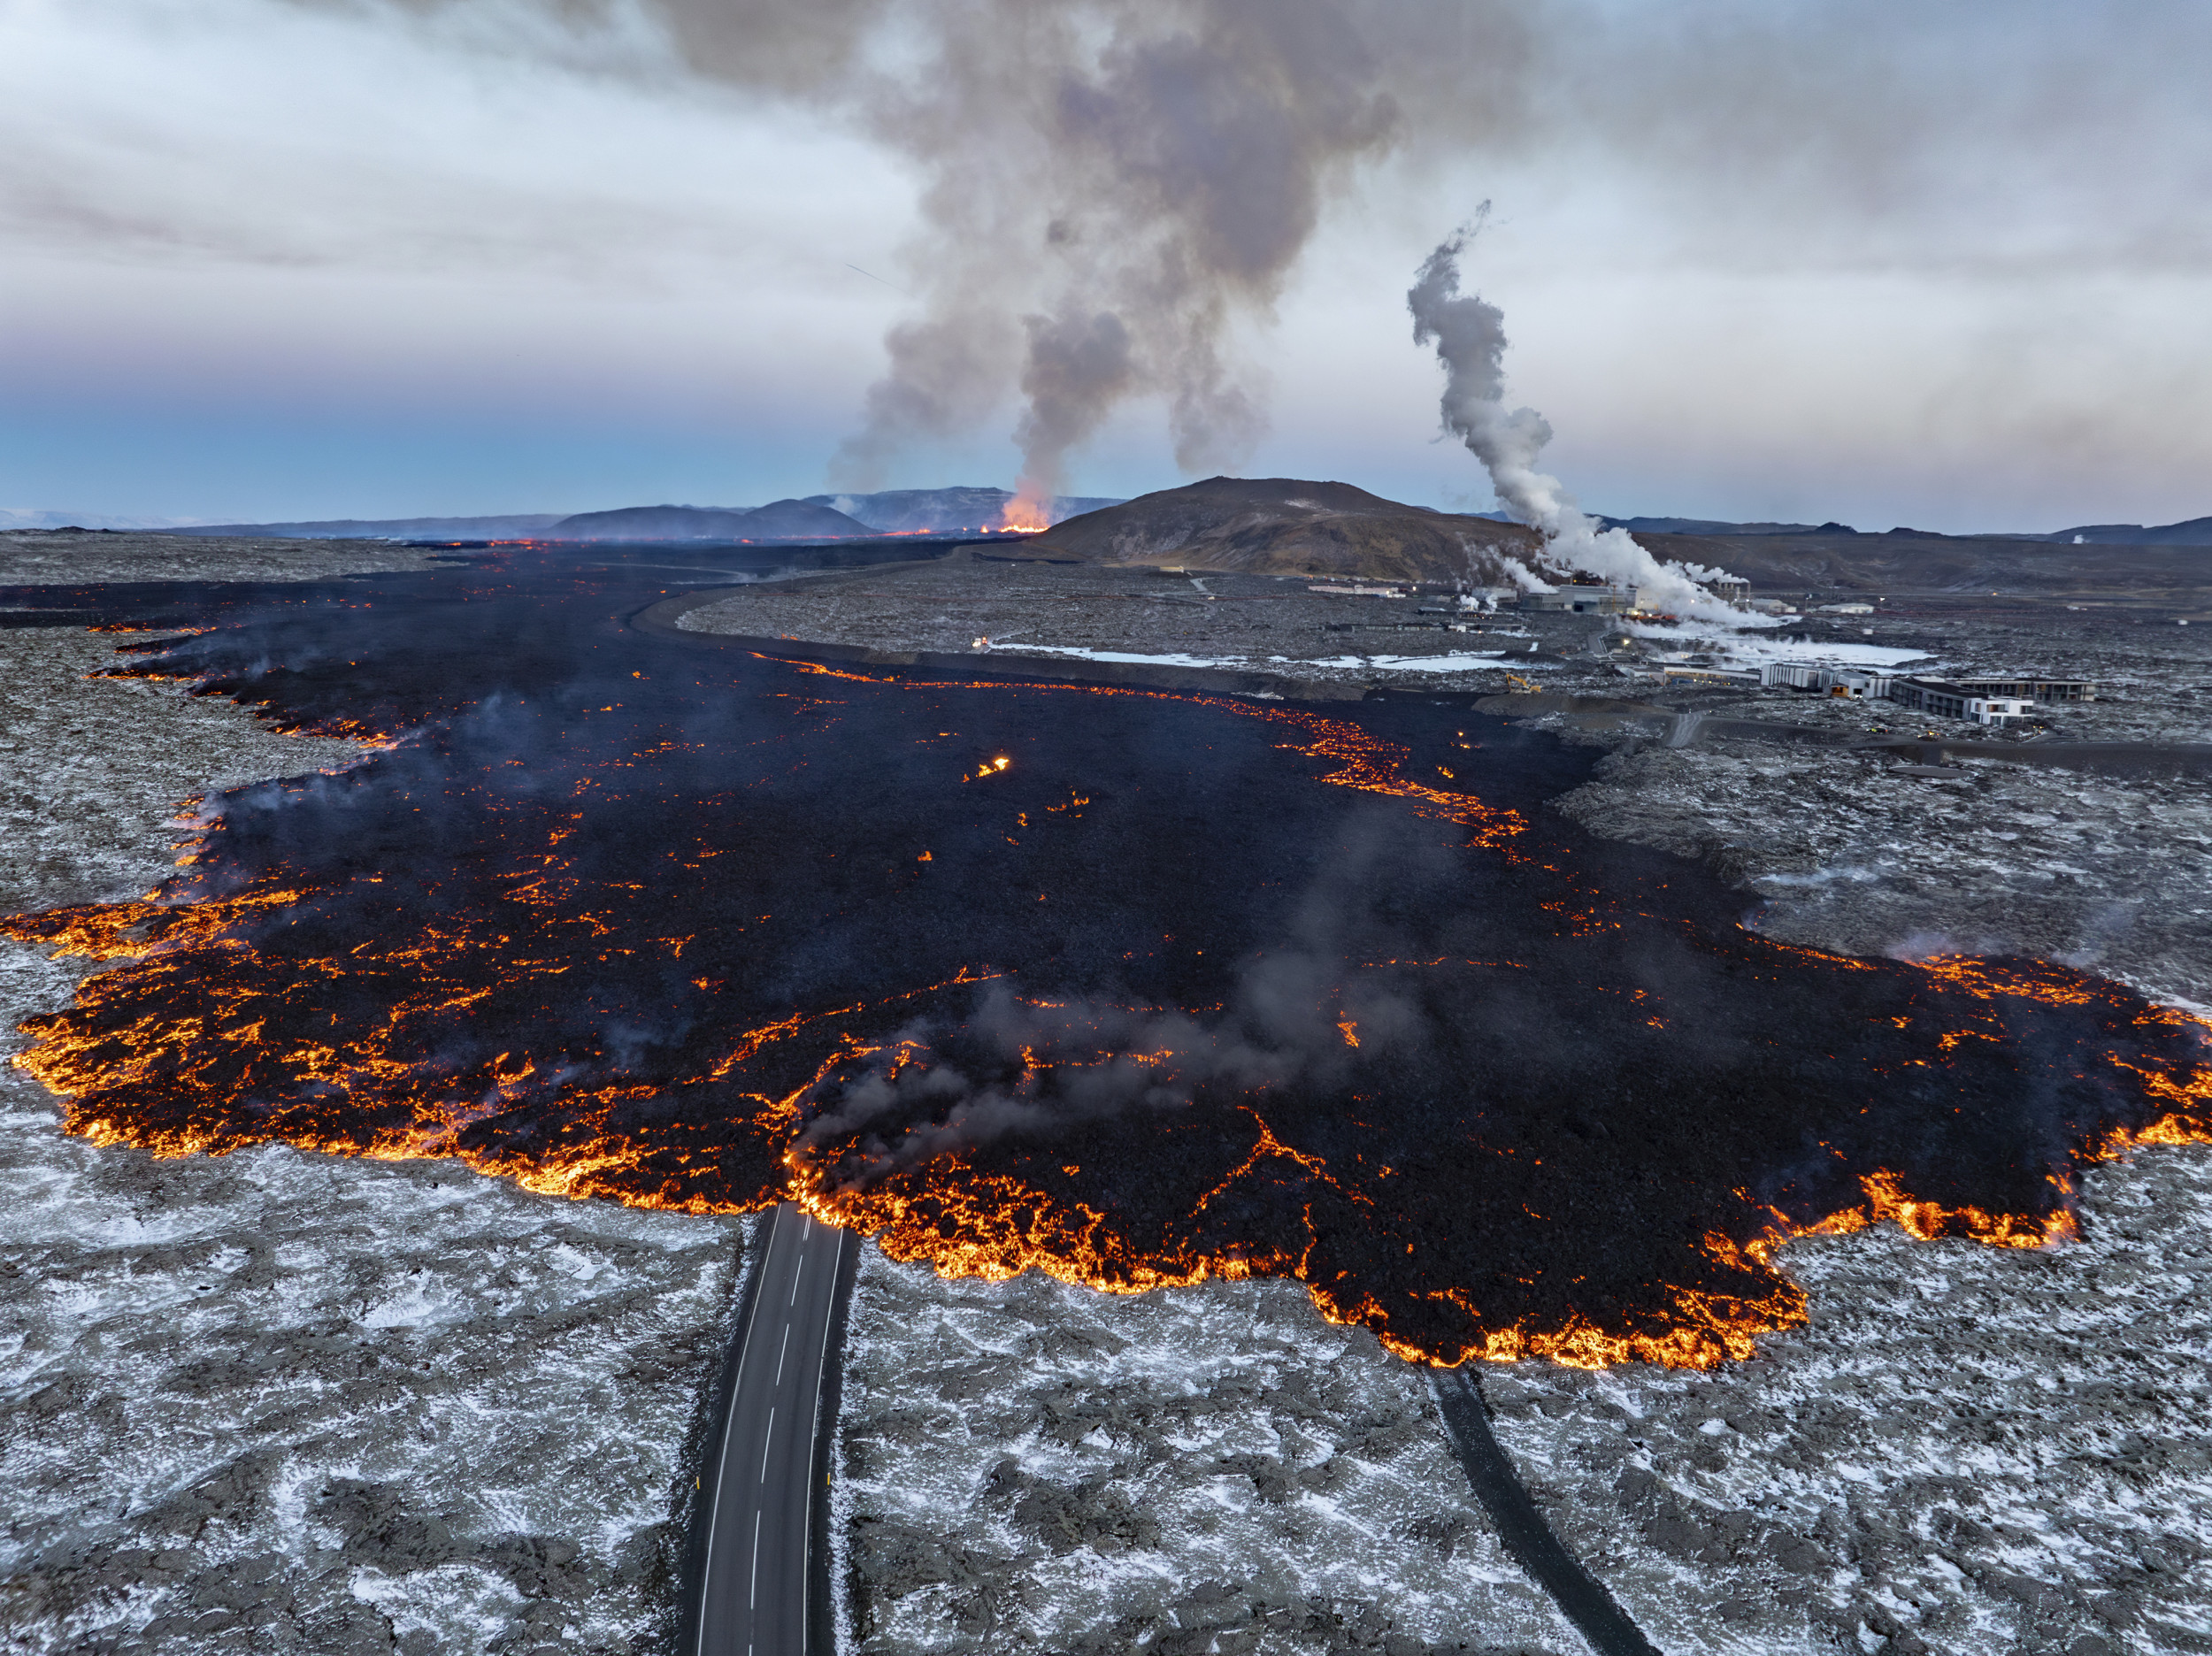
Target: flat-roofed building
[[1824, 680], [2033, 689], [1942, 699], [1582, 599], [1745, 677]]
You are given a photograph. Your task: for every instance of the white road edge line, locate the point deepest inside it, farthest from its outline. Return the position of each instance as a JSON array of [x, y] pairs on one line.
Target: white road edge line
[[714, 1513], [806, 1553]]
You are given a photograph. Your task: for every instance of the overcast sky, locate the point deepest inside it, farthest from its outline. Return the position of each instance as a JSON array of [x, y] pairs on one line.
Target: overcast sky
[[1948, 265]]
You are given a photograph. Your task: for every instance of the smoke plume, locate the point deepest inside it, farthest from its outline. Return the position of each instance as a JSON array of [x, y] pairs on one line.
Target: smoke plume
[[1112, 189], [1024, 1071], [1470, 336]]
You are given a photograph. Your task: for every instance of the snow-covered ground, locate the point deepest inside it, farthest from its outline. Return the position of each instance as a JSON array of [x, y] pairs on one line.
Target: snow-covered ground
[[1462, 661], [286, 1402], [1032, 1467], [2106, 870], [1127, 657], [1969, 1450]]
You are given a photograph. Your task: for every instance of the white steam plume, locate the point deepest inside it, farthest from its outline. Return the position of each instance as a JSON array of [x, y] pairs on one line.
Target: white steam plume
[[1469, 335]]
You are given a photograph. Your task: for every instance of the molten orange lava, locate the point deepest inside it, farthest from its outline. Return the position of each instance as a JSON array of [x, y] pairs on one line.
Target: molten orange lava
[[1029, 512], [951, 1212], [1365, 760]]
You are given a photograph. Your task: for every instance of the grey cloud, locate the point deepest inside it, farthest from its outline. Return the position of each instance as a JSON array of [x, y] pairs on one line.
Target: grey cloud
[[1135, 178]]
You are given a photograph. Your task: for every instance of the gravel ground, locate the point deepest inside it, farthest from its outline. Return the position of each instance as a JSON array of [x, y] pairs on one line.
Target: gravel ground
[[1031, 610], [73, 557], [1032, 1467]]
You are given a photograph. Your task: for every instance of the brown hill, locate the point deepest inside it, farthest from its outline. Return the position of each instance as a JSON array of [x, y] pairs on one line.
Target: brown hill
[[1285, 526]]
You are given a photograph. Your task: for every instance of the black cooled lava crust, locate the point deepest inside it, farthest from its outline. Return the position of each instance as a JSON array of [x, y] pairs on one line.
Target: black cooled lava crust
[[1134, 984]]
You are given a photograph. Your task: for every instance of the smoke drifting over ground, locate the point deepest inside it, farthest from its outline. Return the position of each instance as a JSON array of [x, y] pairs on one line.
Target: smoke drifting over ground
[[1470, 337], [1037, 1070]]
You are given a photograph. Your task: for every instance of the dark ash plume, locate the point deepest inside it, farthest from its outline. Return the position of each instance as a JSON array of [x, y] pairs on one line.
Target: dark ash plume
[[1111, 189]]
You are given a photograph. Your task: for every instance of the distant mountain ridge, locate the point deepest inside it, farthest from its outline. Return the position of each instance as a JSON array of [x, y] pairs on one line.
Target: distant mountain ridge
[[507, 526], [778, 520], [2193, 531], [1710, 526]]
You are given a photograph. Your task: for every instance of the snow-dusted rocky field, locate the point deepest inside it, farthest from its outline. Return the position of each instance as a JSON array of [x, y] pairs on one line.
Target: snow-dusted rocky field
[[1969, 1450], [2108, 870], [2109, 873], [1031, 1467], [60, 557], [285, 1402]]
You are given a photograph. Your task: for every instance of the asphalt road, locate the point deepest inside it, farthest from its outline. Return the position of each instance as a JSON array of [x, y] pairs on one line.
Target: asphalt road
[[762, 1487], [1527, 1534]]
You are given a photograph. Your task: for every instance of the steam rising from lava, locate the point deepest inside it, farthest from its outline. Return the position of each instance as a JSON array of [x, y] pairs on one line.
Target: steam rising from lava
[[1470, 338], [1043, 1070]]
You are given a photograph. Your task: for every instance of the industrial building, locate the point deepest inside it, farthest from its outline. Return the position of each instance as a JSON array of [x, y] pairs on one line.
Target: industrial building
[[2033, 689], [1489, 598], [1958, 702], [1582, 599], [1741, 678], [1837, 681]]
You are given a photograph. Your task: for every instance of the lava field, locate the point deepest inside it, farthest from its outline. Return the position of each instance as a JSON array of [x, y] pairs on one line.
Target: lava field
[[1132, 987]]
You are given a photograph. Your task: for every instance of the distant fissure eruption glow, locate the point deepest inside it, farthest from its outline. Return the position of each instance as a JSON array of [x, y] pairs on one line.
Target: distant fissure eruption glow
[[1190, 988]]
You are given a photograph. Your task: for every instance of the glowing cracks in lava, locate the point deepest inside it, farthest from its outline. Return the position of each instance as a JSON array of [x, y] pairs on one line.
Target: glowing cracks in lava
[[1364, 761], [185, 1015]]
